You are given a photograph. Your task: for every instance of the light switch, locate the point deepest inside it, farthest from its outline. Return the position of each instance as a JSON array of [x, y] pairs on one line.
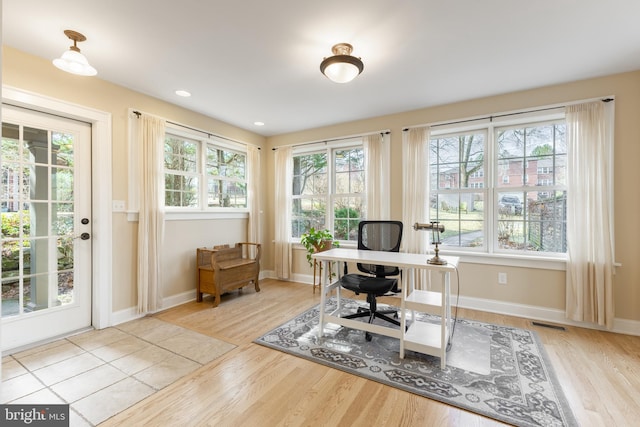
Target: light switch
[[118, 206]]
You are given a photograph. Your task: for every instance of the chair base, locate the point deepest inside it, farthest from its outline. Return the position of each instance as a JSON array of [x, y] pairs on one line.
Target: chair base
[[373, 313]]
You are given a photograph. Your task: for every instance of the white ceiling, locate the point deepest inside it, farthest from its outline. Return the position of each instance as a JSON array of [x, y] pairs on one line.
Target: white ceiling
[[258, 60]]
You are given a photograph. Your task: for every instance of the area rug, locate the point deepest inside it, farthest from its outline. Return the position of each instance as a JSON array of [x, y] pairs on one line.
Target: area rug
[[496, 371]]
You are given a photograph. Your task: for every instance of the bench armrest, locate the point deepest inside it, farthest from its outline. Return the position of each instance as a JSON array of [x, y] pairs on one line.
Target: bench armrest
[[246, 249]]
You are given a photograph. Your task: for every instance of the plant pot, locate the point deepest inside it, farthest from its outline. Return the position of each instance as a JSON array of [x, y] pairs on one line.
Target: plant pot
[[323, 245]]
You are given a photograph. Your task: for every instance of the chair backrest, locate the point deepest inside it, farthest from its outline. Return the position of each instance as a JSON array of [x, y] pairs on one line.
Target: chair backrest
[[379, 236]]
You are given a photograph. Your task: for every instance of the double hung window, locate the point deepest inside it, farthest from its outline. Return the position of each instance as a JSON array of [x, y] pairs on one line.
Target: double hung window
[[501, 188], [329, 190], [204, 174]]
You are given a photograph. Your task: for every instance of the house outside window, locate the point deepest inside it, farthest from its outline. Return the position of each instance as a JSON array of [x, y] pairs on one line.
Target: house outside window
[[538, 224], [519, 206], [203, 174], [456, 163], [329, 191]]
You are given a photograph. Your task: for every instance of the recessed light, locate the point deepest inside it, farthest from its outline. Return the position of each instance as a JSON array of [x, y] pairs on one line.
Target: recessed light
[[258, 123], [183, 93]]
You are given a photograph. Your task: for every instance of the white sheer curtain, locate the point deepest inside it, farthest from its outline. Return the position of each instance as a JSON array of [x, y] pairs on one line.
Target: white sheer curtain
[[590, 238], [253, 194], [415, 188], [284, 182], [376, 177], [150, 140]]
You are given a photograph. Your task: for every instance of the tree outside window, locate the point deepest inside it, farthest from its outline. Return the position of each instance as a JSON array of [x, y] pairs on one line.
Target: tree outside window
[[532, 203], [181, 172], [457, 173], [310, 189], [223, 174], [348, 195], [328, 194], [526, 196]]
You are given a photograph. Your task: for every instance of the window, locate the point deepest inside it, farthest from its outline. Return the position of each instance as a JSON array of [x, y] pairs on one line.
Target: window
[[534, 219], [329, 191], [544, 170], [203, 174], [520, 206], [455, 200]]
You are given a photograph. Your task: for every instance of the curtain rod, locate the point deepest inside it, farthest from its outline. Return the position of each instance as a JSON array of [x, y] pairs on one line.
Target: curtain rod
[[209, 134], [382, 133], [502, 115]]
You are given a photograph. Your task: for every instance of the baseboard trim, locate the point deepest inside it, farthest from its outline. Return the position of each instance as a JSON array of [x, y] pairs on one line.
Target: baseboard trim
[[621, 326], [544, 314], [122, 316]]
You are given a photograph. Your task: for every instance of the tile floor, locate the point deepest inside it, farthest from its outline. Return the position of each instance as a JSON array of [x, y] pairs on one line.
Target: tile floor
[[100, 373]]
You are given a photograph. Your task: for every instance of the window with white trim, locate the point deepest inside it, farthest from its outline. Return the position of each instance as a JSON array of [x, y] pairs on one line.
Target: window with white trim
[[204, 174], [501, 188], [329, 190]]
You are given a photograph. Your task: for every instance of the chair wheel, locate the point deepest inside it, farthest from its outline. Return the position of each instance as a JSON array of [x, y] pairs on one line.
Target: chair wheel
[[367, 336]]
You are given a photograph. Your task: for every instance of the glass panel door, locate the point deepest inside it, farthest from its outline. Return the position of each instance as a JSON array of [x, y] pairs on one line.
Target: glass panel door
[[45, 201]]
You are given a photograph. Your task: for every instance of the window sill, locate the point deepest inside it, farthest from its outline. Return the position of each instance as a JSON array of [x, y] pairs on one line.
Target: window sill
[[524, 261], [194, 215], [539, 262]]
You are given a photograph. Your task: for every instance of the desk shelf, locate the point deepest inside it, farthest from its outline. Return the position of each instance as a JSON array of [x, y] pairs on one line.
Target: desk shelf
[[428, 338], [423, 337], [427, 301]]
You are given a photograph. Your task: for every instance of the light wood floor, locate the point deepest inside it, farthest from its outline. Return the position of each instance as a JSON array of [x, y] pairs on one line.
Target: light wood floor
[[256, 386]]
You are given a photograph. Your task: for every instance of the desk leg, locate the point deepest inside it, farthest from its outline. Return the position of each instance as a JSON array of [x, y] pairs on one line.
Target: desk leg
[[403, 312], [338, 288], [446, 318], [323, 300]]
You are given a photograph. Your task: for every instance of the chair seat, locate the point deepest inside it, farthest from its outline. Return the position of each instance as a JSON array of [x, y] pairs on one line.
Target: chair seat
[[359, 283]]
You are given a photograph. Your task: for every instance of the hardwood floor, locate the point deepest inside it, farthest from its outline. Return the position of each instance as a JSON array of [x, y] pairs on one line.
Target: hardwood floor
[[256, 386]]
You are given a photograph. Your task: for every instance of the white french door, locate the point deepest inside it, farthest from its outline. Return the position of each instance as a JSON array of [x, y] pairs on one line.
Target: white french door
[[45, 197]]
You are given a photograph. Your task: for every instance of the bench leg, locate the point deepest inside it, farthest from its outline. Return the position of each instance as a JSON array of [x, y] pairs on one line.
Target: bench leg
[[217, 298]]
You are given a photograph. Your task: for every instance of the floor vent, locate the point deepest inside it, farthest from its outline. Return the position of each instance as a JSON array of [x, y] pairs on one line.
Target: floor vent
[[546, 325]]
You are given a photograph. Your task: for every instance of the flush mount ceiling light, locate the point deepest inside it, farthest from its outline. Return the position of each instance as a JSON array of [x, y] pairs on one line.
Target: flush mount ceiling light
[[72, 61], [342, 67]]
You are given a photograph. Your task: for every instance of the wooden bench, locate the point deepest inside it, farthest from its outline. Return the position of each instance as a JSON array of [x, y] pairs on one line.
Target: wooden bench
[[223, 269]]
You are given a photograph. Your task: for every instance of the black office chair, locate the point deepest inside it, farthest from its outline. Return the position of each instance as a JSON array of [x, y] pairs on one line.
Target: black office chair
[[375, 236]]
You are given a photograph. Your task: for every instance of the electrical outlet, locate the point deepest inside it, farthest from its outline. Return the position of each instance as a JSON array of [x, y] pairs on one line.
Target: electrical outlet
[[502, 278]]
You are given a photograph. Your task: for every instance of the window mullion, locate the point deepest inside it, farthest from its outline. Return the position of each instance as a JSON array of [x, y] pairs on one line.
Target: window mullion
[[202, 174], [491, 197], [331, 189]]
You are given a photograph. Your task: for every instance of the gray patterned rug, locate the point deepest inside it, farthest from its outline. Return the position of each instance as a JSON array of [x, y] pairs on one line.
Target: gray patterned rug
[[496, 371]]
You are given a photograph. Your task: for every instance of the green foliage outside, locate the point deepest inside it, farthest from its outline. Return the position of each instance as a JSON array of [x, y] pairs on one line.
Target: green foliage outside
[[11, 235], [11, 249]]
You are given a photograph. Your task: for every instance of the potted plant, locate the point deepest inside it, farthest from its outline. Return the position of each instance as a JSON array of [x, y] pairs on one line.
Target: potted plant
[[317, 241]]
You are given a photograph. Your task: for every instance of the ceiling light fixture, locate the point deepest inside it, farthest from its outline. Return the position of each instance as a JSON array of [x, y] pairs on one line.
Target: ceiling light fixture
[[183, 93], [342, 67], [72, 61]]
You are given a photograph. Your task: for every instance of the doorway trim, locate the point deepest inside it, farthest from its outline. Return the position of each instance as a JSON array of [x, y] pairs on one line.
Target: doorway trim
[[101, 188]]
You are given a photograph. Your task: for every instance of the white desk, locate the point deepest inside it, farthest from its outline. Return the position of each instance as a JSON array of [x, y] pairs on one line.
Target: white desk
[[421, 337]]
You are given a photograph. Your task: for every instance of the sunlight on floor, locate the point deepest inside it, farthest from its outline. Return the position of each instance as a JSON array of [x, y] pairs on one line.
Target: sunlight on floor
[[101, 373]]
